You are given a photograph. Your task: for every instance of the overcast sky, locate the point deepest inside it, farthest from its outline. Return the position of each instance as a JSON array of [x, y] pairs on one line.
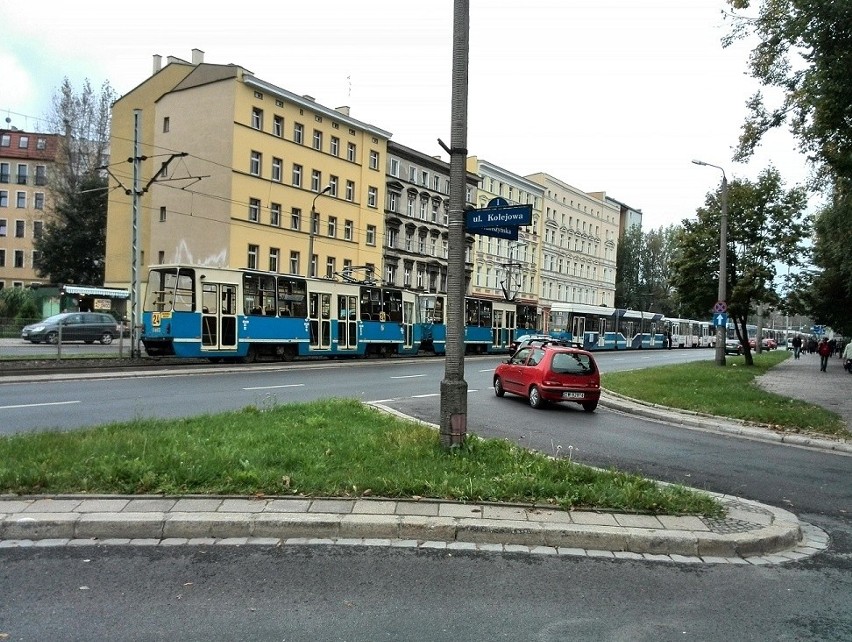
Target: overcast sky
[[606, 95]]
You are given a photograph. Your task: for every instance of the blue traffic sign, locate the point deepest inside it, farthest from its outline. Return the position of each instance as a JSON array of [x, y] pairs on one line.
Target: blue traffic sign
[[498, 201], [720, 319], [499, 216], [506, 232]]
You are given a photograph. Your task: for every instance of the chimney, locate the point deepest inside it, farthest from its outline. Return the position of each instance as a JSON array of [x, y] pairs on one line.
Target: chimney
[[197, 56], [158, 63], [343, 110]]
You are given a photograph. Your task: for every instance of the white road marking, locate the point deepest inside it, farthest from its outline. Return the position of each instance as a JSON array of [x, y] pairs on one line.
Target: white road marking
[[408, 376], [36, 405], [434, 394], [292, 385]]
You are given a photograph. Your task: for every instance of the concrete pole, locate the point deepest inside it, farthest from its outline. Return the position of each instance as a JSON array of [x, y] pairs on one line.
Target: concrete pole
[[453, 427]]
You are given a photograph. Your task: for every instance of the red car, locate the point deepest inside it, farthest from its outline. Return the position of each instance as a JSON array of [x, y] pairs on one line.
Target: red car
[[550, 373]]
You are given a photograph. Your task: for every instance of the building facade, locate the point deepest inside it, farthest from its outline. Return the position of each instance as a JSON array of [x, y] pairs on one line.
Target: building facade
[[504, 269], [241, 173], [579, 244], [26, 160], [416, 229]]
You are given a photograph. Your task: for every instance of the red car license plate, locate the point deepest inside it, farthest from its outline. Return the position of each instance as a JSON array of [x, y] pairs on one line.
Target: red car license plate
[[572, 395]]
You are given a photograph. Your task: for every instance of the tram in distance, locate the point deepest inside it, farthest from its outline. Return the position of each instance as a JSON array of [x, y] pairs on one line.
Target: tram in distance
[[193, 311]]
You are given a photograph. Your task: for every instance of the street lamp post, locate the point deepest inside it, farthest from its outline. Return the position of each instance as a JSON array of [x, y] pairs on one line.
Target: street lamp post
[[311, 228], [723, 261]]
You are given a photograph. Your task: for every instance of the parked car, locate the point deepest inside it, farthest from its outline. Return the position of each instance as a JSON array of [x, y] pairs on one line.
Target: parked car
[[526, 338], [75, 326], [550, 373], [733, 346], [534, 340]]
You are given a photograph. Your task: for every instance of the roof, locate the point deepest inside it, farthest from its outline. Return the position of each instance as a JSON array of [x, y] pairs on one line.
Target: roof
[[91, 291]]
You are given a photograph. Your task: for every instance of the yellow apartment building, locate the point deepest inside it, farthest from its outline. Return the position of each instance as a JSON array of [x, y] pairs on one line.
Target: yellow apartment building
[[232, 168]]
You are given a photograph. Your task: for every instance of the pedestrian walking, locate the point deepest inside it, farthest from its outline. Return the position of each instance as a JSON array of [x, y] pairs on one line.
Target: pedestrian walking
[[797, 346], [824, 351]]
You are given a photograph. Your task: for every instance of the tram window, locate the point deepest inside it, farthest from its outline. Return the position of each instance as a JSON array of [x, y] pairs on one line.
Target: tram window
[[292, 298], [485, 312], [393, 305], [438, 312], [471, 312], [266, 294]]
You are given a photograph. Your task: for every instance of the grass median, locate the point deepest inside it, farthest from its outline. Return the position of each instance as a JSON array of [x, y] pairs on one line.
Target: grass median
[[702, 386], [328, 448]]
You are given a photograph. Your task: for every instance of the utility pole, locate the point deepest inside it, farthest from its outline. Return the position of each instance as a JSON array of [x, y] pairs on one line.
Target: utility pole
[[135, 318], [453, 427]]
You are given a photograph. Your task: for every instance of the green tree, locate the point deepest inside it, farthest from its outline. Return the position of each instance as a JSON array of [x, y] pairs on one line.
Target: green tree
[[72, 246], [805, 51], [766, 225], [642, 270], [18, 303]]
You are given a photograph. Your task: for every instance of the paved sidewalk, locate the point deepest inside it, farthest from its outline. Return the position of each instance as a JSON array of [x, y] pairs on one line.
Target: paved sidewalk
[[750, 533]]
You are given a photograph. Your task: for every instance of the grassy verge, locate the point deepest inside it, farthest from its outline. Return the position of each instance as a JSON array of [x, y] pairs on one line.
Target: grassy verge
[[727, 392], [326, 448]]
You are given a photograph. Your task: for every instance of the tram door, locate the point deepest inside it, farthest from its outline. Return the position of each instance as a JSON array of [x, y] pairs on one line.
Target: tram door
[[603, 326], [578, 331], [511, 324], [408, 322], [497, 337], [218, 316], [347, 323], [319, 318]]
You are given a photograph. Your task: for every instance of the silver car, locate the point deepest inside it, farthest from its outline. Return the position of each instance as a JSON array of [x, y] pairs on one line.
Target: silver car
[[73, 326]]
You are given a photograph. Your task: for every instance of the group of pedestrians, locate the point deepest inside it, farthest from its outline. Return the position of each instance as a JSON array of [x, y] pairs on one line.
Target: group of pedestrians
[[825, 349]]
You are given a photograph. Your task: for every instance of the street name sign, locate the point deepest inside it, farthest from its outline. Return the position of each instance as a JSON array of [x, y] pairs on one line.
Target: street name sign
[[499, 216], [503, 232]]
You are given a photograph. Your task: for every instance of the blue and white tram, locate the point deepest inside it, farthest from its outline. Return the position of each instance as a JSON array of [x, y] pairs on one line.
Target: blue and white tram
[[489, 325], [215, 313]]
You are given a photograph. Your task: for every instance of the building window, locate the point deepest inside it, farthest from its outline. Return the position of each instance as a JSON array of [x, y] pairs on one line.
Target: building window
[[19, 258], [350, 191], [294, 262], [38, 229], [394, 167], [424, 178], [19, 229], [5, 175], [374, 159], [317, 139], [2, 260], [391, 237], [393, 197], [371, 235], [295, 219], [297, 175], [330, 266], [254, 210], [411, 205], [315, 217], [161, 257], [2, 227], [350, 152], [166, 125], [436, 183], [390, 275], [251, 259], [21, 202], [348, 227], [332, 226], [412, 174], [162, 213], [5, 140], [278, 126], [24, 142], [22, 174], [372, 196], [277, 164], [255, 163], [256, 118], [316, 180], [41, 175], [274, 256], [275, 214], [335, 146], [38, 202], [423, 209], [41, 143], [333, 181], [298, 133]]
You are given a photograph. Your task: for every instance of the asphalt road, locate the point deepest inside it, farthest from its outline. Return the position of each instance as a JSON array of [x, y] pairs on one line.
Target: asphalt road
[[341, 593]]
